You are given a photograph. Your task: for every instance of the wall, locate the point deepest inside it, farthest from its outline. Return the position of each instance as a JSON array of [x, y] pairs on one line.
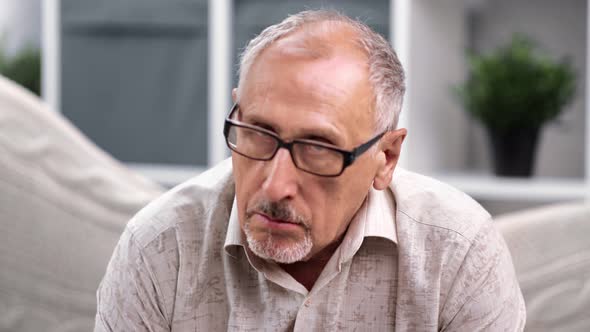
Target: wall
[[436, 124], [20, 24]]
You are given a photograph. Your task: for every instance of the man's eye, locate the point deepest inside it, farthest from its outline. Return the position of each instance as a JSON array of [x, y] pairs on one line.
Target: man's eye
[[259, 137], [315, 149], [250, 133]]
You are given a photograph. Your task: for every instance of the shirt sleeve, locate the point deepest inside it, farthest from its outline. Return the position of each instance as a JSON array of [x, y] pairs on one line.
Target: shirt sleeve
[[128, 295], [485, 295]]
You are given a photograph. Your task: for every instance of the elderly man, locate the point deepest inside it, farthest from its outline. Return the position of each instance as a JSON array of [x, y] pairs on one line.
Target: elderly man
[[309, 227]]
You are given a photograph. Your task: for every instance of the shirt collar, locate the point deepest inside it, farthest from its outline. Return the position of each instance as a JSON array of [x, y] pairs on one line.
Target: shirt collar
[[234, 235], [381, 212], [375, 218]]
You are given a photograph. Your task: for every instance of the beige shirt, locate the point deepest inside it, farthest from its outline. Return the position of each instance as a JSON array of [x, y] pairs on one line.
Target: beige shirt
[[420, 256]]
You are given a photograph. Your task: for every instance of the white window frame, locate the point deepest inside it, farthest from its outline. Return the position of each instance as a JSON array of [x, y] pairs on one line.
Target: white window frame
[[219, 81]]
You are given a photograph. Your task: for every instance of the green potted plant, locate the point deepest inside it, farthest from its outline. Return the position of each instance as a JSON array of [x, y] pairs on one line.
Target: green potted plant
[[513, 92], [24, 68]]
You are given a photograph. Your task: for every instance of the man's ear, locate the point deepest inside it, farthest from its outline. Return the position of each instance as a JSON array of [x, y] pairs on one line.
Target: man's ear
[[389, 149], [234, 95]]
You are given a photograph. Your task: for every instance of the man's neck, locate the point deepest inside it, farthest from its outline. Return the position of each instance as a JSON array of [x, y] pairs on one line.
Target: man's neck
[[308, 272]]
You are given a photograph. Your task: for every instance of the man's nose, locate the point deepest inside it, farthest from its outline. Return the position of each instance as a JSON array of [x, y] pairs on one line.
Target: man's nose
[[281, 182]]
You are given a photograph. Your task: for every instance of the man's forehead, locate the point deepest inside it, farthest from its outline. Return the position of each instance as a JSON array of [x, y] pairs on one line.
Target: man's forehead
[[319, 39], [329, 81], [327, 50]]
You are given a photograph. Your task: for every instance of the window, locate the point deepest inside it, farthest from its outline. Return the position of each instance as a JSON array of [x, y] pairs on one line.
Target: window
[[134, 77]]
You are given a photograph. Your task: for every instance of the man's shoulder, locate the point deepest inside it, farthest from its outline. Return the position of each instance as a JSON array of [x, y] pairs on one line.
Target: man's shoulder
[[433, 204], [190, 205]]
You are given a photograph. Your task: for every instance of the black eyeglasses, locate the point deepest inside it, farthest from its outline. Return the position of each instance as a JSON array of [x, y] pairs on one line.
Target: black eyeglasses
[[310, 156]]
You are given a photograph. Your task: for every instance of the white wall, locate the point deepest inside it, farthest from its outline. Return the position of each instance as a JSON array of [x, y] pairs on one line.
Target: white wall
[[436, 125], [20, 23], [560, 29]]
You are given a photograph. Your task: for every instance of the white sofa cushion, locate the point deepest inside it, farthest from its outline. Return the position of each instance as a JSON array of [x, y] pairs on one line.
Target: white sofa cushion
[[550, 247]]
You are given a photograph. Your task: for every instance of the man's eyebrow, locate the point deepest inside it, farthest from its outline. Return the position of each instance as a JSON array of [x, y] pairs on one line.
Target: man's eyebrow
[[253, 119], [321, 134]]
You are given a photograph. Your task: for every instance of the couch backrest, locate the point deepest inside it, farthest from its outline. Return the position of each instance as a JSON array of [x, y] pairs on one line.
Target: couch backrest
[[63, 204], [550, 247]]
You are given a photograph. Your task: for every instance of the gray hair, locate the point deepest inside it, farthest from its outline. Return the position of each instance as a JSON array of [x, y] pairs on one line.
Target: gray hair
[[386, 74]]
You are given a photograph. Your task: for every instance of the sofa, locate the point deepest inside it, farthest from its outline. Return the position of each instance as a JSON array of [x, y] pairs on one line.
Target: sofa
[[550, 247], [63, 204]]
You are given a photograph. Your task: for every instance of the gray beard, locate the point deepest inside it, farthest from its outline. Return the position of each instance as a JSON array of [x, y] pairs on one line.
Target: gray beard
[[269, 250]]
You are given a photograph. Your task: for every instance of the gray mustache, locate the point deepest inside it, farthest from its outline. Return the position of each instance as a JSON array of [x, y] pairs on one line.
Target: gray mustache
[[278, 210]]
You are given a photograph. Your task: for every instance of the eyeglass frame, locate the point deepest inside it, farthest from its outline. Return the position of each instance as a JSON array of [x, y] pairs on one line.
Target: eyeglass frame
[[348, 156]]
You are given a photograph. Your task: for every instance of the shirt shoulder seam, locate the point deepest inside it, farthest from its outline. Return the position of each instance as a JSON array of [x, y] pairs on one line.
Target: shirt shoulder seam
[[441, 227]]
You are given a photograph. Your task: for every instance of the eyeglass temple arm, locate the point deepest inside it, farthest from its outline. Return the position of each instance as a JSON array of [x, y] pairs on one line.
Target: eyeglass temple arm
[[362, 149]]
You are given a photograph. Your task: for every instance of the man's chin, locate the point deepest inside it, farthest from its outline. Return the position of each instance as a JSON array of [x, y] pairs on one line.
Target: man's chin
[[278, 252]]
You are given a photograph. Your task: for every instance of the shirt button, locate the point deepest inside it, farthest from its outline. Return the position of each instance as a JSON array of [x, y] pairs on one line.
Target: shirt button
[[307, 303]]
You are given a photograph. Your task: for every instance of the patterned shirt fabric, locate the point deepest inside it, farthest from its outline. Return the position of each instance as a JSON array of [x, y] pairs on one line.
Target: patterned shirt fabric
[[420, 256]]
